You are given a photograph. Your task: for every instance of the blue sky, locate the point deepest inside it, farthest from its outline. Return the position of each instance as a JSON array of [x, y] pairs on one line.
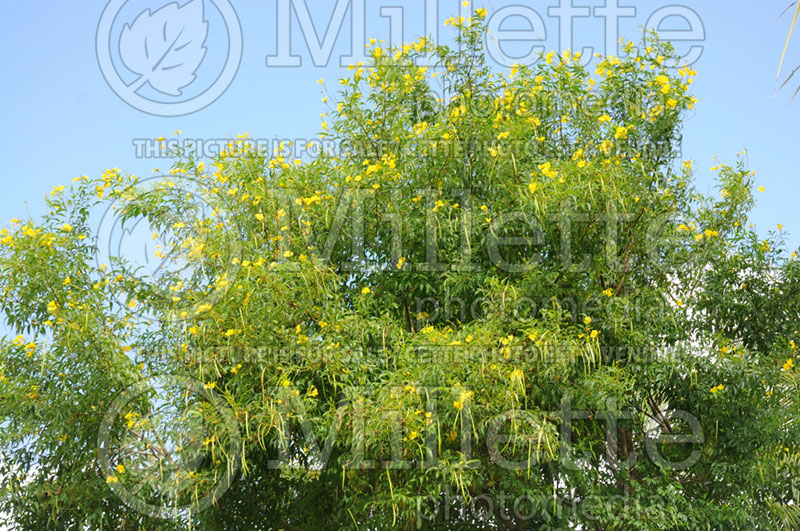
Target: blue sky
[[62, 119]]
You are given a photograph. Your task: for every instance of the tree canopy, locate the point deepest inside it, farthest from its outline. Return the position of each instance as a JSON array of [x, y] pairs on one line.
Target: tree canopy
[[500, 303]]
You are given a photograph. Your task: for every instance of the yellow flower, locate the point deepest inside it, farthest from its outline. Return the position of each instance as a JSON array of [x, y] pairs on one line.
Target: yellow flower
[[67, 281], [401, 262], [608, 292], [481, 12], [594, 334], [210, 385], [19, 340], [260, 216], [760, 188], [312, 391], [621, 133], [112, 479], [120, 469], [66, 227], [587, 320], [52, 307], [365, 291], [720, 387], [788, 365], [603, 119], [547, 171], [463, 398]]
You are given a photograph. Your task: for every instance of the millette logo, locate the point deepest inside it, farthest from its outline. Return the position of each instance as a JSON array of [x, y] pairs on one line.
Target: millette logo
[[169, 59]]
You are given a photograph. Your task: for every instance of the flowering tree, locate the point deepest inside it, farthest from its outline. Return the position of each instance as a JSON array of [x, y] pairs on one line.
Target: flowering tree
[[499, 303]]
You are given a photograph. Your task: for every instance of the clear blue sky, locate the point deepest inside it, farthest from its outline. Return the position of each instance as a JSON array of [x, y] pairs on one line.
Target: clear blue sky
[[61, 119]]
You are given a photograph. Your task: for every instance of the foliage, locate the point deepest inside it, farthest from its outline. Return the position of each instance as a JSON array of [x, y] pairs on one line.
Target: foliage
[[384, 345]]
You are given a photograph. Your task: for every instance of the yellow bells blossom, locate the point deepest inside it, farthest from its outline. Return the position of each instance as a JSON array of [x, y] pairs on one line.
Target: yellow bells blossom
[[547, 170], [66, 227], [365, 291], [19, 340], [463, 398]]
